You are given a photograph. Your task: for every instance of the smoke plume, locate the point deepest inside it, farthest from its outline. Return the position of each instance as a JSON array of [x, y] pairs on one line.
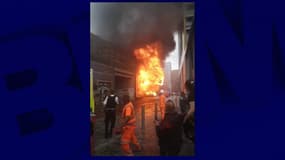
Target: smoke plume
[[134, 25]]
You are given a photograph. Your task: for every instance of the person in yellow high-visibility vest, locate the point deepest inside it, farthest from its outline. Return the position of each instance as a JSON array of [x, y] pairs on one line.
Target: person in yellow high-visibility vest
[[92, 111], [92, 102]]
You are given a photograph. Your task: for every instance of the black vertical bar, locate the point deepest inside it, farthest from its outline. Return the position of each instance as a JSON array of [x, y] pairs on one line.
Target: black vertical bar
[[143, 116], [155, 111]]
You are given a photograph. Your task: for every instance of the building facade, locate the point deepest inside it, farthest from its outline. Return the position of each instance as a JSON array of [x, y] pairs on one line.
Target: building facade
[[187, 46], [175, 81], [167, 76], [112, 70]]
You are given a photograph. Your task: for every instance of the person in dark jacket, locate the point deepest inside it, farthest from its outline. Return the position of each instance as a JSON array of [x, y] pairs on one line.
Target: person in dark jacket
[[111, 102], [169, 131], [190, 89], [189, 119], [183, 103]]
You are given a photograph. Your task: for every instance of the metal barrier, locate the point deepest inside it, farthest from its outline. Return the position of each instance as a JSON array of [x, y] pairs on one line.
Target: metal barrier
[[143, 117], [149, 113], [143, 113]]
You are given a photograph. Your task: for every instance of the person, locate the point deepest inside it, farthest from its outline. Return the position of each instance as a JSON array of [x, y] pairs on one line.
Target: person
[[162, 100], [92, 142], [92, 114], [183, 103], [111, 102], [169, 131], [92, 131], [189, 122], [105, 94], [128, 125]]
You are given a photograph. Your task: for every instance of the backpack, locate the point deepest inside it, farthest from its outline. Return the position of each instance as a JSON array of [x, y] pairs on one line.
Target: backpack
[[111, 102]]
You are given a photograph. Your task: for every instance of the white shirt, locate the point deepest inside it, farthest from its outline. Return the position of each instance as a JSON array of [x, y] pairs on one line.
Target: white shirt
[[106, 99]]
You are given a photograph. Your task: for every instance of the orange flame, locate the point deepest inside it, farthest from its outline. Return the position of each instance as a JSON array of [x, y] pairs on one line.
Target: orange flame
[[150, 74]]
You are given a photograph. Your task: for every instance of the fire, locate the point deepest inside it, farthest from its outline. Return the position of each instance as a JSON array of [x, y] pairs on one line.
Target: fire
[[150, 74]]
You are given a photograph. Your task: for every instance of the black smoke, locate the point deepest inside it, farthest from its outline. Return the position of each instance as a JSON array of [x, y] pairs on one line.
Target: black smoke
[[134, 25]]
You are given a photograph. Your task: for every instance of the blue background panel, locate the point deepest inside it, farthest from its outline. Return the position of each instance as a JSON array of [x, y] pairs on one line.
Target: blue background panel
[[44, 79]]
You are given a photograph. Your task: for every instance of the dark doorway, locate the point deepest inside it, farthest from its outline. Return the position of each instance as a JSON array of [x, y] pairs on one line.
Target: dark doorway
[[122, 82]]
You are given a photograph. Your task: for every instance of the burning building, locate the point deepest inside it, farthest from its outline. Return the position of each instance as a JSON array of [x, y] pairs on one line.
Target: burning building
[[146, 31], [150, 74]]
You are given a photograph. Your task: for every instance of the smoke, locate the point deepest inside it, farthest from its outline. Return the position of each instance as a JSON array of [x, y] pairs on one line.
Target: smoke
[[134, 25]]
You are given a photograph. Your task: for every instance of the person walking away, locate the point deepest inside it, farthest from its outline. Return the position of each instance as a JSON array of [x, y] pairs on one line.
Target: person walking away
[[169, 131], [128, 125], [162, 100], [111, 102]]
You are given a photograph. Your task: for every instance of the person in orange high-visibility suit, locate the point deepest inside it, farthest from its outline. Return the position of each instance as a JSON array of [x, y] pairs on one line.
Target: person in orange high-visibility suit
[[162, 100], [128, 125]]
